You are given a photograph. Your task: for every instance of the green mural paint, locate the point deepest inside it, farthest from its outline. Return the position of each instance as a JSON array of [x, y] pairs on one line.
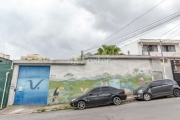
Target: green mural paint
[[65, 90]]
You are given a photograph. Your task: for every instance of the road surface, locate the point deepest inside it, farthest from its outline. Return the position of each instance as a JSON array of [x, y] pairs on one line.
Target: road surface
[[159, 109]]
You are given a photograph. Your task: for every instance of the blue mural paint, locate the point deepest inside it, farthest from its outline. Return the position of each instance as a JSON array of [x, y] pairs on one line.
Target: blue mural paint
[[32, 86]]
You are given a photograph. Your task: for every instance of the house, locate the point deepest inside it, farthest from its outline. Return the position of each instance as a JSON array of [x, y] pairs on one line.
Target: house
[[170, 48], [152, 48]]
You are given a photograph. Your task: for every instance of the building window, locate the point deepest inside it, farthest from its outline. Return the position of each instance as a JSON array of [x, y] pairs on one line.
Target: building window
[[150, 48], [168, 48]]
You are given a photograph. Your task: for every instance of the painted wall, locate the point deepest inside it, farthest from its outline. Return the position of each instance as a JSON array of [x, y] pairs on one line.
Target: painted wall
[[68, 82]]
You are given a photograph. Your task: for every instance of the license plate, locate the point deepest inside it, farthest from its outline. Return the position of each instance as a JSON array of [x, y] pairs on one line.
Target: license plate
[[135, 96]]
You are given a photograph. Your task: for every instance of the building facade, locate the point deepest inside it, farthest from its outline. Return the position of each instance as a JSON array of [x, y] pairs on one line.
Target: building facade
[[55, 81], [152, 47], [170, 48]]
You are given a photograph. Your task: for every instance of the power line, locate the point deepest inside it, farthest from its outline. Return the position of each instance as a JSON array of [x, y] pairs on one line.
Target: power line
[[148, 27], [126, 25], [173, 32], [169, 30], [143, 34], [175, 36], [158, 22], [166, 32]]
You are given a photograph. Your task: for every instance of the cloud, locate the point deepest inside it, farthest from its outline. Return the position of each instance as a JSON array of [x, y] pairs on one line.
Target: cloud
[[60, 29]]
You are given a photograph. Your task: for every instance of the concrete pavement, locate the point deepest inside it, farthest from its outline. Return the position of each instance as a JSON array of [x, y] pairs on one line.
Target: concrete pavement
[[158, 109], [24, 109]]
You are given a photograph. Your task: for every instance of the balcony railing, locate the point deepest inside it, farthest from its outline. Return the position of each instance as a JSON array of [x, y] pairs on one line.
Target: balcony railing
[[168, 54]]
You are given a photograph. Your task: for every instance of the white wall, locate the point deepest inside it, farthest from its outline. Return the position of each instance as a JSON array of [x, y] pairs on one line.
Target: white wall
[[177, 47], [13, 85], [132, 48], [99, 67]]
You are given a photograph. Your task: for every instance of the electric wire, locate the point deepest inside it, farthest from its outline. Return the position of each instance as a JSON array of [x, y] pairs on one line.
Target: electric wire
[[127, 24], [144, 31], [158, 22]]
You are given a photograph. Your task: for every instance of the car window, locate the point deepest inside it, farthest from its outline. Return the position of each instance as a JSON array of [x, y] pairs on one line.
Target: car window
[[174, 82], [97, 90], [145, 84], [105, 89], [167, 82], [113, 89], [156, 83]]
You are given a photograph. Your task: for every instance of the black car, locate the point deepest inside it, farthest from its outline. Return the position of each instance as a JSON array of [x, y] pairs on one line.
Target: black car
[[157, 88], [99, 96]]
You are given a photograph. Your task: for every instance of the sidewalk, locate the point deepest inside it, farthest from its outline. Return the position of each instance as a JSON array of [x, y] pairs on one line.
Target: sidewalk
[[22, 109]]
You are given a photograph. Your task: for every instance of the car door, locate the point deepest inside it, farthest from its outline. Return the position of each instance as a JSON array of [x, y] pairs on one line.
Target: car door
[[93, 97], [167, 87], [156, 88], [105, 95]]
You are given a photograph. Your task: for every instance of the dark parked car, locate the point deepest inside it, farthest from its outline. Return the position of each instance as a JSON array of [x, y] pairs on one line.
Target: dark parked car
[[158, 88], [99, 96]]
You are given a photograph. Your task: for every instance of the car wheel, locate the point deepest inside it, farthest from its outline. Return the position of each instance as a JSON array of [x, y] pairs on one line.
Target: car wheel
[[147, 97], [177, 93], [81, 105], [117, 100]]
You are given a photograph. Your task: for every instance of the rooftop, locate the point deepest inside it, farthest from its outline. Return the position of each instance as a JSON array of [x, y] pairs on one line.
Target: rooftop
[[165, 41]]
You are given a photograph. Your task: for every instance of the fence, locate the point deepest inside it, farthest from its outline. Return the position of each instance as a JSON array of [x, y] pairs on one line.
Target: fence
[[5, 81]]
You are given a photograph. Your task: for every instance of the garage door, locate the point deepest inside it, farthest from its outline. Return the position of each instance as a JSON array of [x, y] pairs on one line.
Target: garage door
[[32, 85]]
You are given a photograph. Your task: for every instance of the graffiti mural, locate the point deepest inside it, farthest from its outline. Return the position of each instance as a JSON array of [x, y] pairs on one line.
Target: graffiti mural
[[69, 87]]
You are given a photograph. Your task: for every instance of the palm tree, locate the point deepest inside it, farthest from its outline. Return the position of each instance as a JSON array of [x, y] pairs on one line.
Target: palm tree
[[109, 50]]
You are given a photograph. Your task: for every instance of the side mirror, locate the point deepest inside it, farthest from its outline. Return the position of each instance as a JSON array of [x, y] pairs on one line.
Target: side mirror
[[90, 94]]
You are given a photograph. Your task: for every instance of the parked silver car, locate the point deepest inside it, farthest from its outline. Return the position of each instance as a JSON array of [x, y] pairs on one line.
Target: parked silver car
[[158, 88]]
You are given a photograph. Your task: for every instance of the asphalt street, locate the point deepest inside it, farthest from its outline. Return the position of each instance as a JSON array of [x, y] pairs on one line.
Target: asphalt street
[[158, 109]]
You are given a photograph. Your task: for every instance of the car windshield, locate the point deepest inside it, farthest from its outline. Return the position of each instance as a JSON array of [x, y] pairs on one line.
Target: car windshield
[[145, 84], [87, 91]]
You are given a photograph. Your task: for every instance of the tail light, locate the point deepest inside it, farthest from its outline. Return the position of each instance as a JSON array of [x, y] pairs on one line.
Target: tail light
[[124, 92]]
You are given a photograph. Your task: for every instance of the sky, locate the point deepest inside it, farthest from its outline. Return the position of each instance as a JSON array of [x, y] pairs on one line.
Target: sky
[[61, 29]]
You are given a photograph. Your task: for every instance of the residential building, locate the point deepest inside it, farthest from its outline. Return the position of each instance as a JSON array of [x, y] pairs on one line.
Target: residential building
[[4, 56], [170, 48]]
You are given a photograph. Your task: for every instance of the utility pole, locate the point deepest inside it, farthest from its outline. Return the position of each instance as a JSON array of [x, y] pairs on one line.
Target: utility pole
[[164, 75], [81, 55]]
